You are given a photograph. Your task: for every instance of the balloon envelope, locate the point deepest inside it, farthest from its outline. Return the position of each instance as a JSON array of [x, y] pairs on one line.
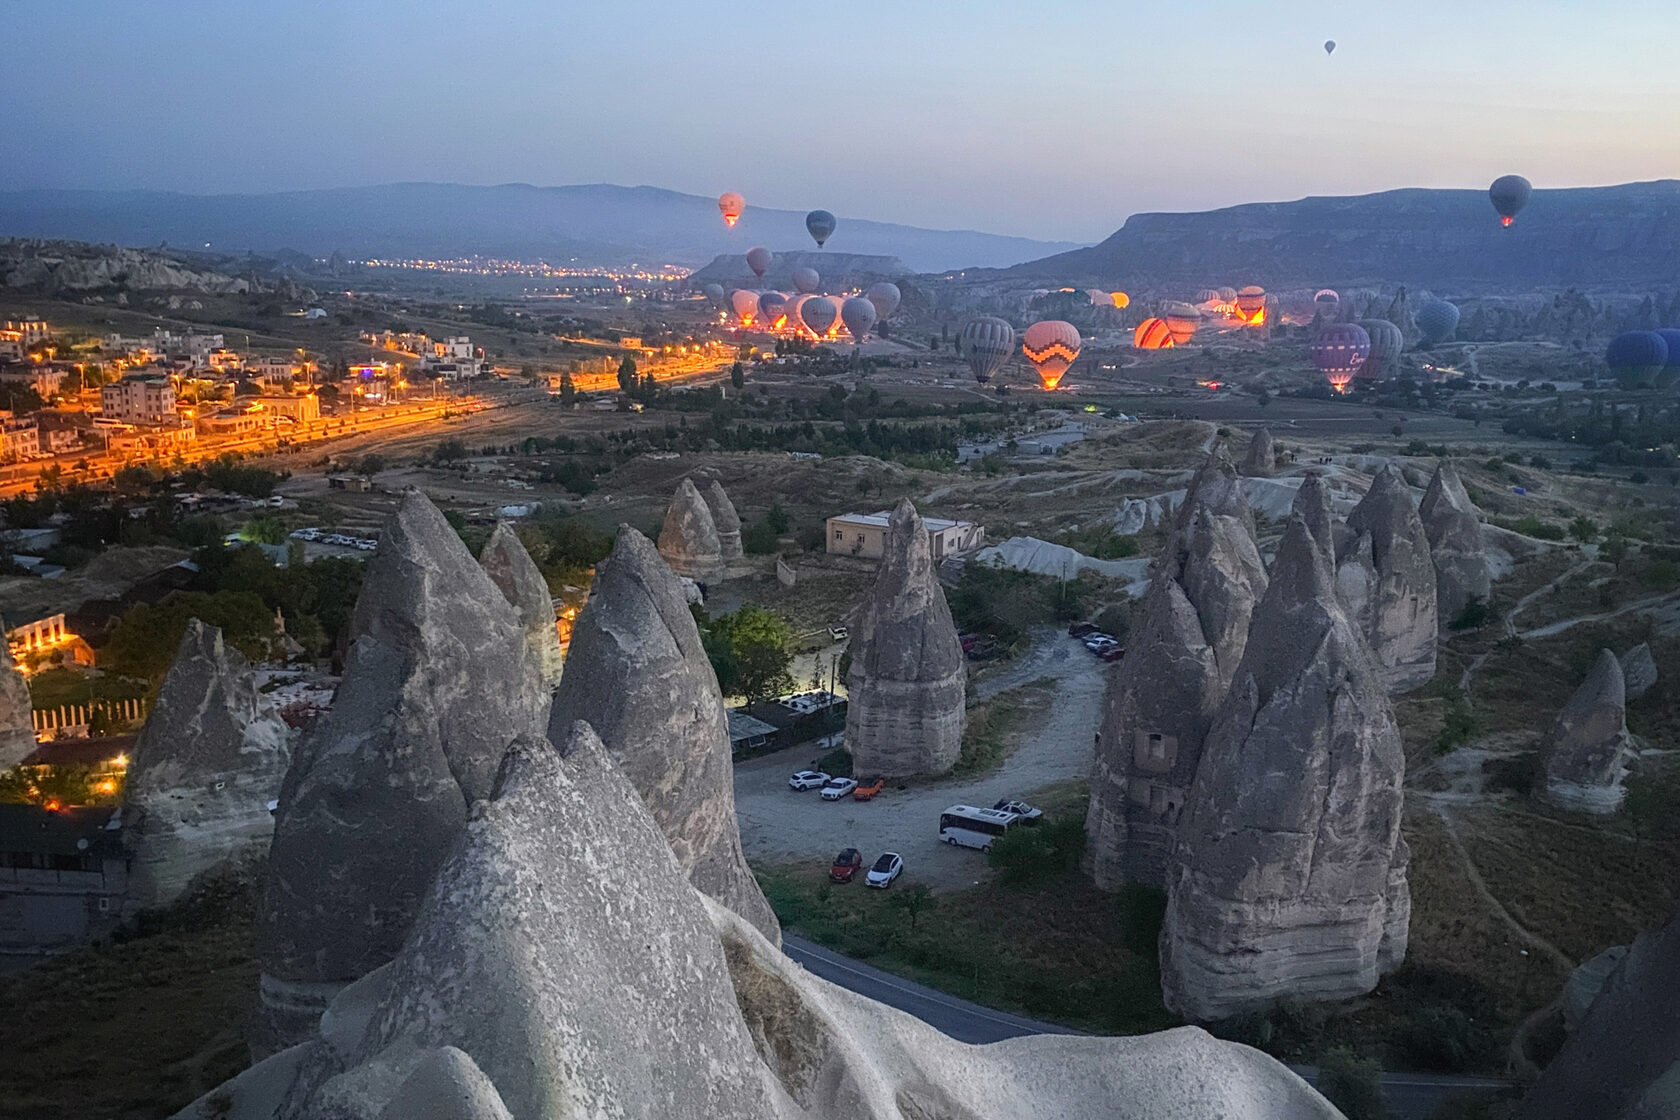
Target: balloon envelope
[[1121, 300], [1329, 46], [806, 278], [1339, 351], [1387, 341], [759, 259], [987, 343], [1182, 320], [1509, 194], [1251, 304], [1437, 320], [1670, 373], [745, 304], [715, 293], [1327, 297], [1152, 334], [730, 206], [772, 308], [1637, 358], [818, 314], [1227, 295], [1051, 346], [885, 296], [820, 225], [859, 316]]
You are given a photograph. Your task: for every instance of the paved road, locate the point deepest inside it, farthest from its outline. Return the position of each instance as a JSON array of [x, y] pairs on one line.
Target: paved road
[[1410, 1096]]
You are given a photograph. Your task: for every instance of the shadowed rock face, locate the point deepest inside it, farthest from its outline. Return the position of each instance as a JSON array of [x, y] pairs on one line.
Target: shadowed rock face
[[437, 682], [1289, 875], [1639, 670], [908, 678], [562, 967], [1623, 1062], [211, 757], [728, 522], [1386, 579], [1261, 460], [511, 568], [1589, 749], [1312, 505], [639, 675], [1215, 487], [688, 540], [1181, 654], [1455, 543], [17, 726]]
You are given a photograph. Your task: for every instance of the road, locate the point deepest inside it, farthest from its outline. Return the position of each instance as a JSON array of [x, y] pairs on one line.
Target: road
[[1410, 1096]]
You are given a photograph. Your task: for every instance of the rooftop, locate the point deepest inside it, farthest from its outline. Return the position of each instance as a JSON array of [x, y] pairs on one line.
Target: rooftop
[[879, 521]]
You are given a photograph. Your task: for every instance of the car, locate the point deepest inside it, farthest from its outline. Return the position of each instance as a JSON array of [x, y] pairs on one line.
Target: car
[[1080, 629], [1111, 653], [1097, 638], [838, 633], [1027, 814], [808, 779], [885, 870], [836, 788], [845, 866], [868, 788]]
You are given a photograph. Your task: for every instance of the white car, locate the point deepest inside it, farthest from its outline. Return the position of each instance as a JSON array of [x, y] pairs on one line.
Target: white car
[[808, 779], [1098, 641], [1027, 814], [886, 869], [836, 788]]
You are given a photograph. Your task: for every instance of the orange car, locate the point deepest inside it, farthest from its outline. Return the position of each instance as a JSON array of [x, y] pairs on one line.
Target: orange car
[[868, 789]]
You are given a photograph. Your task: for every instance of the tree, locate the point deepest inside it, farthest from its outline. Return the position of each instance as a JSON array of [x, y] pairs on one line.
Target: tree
[[777, 518], [738, 375], [1584, 529], [449, 451], [1614, 549], [627, 375], [568, 391], [913, 899], [751, 645]]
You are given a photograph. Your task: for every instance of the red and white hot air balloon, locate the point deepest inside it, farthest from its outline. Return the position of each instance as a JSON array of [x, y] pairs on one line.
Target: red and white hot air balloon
[[1051, 346], [730, 206]]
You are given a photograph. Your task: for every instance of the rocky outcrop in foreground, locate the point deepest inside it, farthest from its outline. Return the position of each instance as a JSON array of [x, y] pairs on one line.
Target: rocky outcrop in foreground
[[1386, 579], [1456, 544], [1217, 488], [438, 681], [1261, 460], [563, 966], [689, 537], [1289, 875], [511, 568], [1312, 505], [1589, 749], [728, 522], [641, 678], [1639, 670], [908, 679], [205, 768], [17, 719], [1182, 652]]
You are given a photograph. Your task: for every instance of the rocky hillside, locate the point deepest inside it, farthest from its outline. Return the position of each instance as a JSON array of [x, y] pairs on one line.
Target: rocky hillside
[[51, 267], [1621, 238]]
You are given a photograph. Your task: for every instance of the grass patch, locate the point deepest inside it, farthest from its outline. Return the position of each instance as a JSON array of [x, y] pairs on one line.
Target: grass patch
[[992, 732], [54, 688]]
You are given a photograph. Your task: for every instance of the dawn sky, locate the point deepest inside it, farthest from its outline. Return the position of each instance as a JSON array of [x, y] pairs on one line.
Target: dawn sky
[[1052, 119]]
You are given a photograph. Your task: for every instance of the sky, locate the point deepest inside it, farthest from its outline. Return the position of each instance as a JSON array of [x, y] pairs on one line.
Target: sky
[[1044, 118]]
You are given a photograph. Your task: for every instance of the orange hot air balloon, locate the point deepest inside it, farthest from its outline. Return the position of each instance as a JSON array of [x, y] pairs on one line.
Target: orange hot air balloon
[[1182, 320], [730, 206], [1152, 334], [1051, 346], [1251, 304], [1121, 300]]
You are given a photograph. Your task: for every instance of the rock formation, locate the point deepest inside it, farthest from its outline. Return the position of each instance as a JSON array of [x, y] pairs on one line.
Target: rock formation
[[511, 568], [1261, 460], [1312, 505], [17, 713], [1289, 875], [728, 522], [689, 538], [641, 678], [1216, 486], [1623, 1061], [908, 677], [1386, 580], [1187, 642], [1462, 572], [437, 682], [1588, 754], [1639, 670], [562, 966], [206, 765]]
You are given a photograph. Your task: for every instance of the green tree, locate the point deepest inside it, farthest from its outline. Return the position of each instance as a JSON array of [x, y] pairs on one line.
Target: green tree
[[1614, 549], [738, 375], [143, 643], [777, 518], [913, 899], [568, 391], [264, 530], [627, 375], [749, 648], [449, 451], [1584, 529]]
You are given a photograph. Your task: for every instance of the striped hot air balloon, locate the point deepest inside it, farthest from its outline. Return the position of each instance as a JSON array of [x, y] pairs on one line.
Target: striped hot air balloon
[[1182, 320], [1152, 334], [1386, 343], [1051, 346], [986, 343], [1251, 304]]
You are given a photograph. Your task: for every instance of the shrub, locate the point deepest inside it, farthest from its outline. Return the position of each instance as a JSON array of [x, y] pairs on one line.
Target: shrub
[[836, 763], [1518, 774], [759, 539], [1584, 529], [1444, 1039], [1030, 854], [1351, 1083], [1459, 726], [1475, 614]]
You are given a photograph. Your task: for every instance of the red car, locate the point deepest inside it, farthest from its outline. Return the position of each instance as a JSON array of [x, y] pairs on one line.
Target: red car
[[846, 866]]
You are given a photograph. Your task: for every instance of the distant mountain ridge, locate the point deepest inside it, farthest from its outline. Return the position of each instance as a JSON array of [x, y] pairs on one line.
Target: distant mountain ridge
[[597, 224], [1449, 240]]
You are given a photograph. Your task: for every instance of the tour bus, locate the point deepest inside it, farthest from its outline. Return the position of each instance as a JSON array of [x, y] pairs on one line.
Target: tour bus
[[973, 828]]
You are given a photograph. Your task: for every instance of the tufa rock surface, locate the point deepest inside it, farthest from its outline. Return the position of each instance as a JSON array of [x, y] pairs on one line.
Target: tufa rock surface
[[641, 678], [1456, 544], [908, 677], [511, 568], [1289, 875], [17, 712], [1588, 754], [728, 522], [1182, 652], [437, 682], [1386, 579], [1261, 460], [689, 537], [1639, 671], [1215, 486], [1312, 505], [206, 765], [563, 966]]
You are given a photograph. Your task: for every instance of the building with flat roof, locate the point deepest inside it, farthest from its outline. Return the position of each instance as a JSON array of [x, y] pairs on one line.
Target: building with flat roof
[[864, 535], [63, 874], [139, 398]]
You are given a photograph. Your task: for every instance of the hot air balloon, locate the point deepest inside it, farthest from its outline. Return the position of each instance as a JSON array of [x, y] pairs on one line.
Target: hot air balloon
[[859, 316], [715, 293], [1329, 46], [1097, 296], [772, 309], [806, 278], [1436, 321], [1207, 295], [1152, 334], [1387, 341], [1051, 346], [885, 296], [745, 304], [1670, 372], [1251, 304], [1637, 358], [1327, 300], [759, 260], [1121, 300], [1339, 351], [987, 343], [818, 314], [730, 206], [1182, 320], [1228, 295], [820, 225], [1509, 195]]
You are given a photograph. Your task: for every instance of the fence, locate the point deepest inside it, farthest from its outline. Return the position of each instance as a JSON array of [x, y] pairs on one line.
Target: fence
[[116, 712]]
